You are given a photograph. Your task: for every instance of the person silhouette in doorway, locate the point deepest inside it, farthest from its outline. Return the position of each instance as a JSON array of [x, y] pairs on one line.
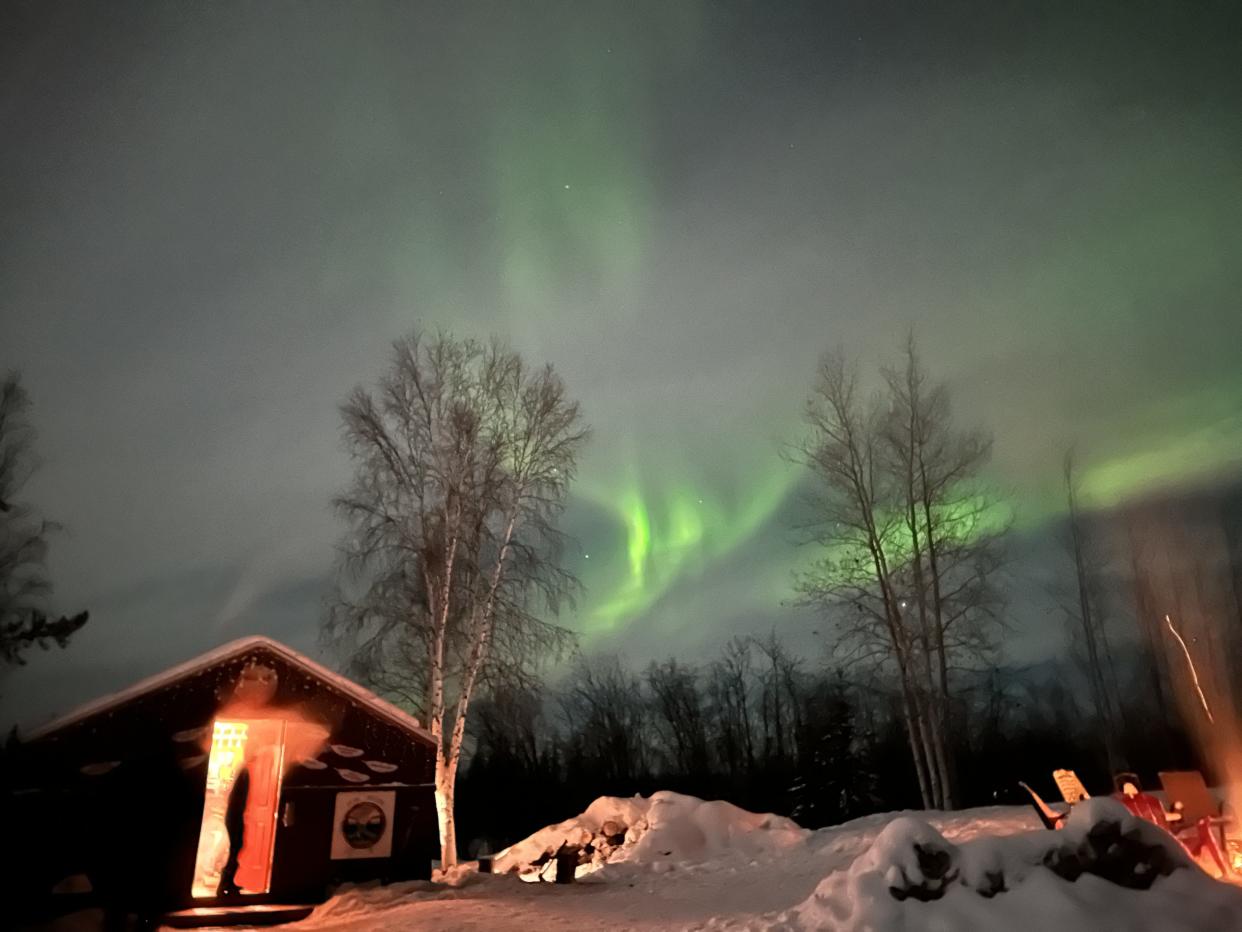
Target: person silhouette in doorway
[[235, 825]]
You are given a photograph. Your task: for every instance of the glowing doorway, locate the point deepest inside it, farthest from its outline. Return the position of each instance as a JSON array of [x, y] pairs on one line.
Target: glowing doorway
[[257, 745]]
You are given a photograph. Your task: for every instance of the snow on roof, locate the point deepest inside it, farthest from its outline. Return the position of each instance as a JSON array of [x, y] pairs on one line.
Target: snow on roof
[[224, 652]]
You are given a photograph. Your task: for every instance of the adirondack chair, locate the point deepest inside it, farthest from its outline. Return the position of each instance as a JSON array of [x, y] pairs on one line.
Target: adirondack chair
[[1051, 818], [1196, 815], [1072, 790], [1131, 795]]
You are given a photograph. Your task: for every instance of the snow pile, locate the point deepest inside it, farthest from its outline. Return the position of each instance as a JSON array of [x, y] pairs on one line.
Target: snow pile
[[687, 829], [1106, 870], [662, 829], [992, 870], [607, 816]]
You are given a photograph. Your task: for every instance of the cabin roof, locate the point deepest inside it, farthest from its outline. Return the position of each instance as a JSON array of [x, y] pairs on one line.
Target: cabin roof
[[331, 679]]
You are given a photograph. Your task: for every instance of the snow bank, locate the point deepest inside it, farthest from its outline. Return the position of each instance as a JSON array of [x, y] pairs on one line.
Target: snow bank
[[1106, 870], [687, 829], [664, 828], [990, 870], [578, 830]]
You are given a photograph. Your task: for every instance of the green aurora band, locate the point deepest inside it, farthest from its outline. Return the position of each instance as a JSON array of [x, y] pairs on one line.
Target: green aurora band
[[1207, 444], [570, 148], [573, 204], [670, 533]]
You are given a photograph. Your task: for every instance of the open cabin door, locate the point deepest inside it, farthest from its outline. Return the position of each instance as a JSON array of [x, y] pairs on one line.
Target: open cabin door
[[258, 746]]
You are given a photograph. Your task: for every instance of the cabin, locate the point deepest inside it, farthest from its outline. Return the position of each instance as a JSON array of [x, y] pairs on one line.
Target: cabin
[[128, 797]]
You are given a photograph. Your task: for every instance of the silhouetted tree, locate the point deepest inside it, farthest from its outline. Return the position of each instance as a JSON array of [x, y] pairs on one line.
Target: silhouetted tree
[[604, 713], [24, 586], [1088, 629], [514, 781], [729, 695], [679, 717], [778, 675], [835, 778]]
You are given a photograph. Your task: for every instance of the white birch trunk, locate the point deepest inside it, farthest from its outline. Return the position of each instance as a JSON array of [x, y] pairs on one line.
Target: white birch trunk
[[447, 759], [443, 782]]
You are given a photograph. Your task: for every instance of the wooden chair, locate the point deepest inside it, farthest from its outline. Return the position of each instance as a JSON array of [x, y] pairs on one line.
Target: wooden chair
[[1196, 814], [1140, 803], [1072, 790], [1049, 816]]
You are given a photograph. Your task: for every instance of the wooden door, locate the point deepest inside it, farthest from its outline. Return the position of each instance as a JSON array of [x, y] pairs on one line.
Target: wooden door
[[266, 755]]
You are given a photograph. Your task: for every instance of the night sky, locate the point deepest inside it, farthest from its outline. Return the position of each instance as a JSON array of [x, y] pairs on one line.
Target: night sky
[[216, 217]]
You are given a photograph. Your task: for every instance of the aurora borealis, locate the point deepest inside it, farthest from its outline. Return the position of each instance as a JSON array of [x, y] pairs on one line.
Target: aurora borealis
[[668, 532], [218, 216]]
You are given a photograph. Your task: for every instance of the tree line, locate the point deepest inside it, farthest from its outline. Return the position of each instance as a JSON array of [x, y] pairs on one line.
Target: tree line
[[451, 580], [772, 730], [451, 583]]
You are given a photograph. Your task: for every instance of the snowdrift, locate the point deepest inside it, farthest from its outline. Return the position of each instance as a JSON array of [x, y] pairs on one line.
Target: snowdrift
[[663, 829], [675, 862], [1105, 870]]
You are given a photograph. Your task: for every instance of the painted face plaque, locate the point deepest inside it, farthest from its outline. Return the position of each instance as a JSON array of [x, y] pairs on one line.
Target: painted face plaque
[[362, 825]]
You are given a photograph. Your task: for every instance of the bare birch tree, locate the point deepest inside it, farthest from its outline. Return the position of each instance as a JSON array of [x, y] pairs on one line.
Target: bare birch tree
[[908, 539], [462, 458]]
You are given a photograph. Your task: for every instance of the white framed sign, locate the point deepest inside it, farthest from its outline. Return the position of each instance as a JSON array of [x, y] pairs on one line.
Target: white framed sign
[[362, 824]]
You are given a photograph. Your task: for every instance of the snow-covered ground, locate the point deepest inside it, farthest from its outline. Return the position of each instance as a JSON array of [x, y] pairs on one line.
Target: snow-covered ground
[[690, 864]]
